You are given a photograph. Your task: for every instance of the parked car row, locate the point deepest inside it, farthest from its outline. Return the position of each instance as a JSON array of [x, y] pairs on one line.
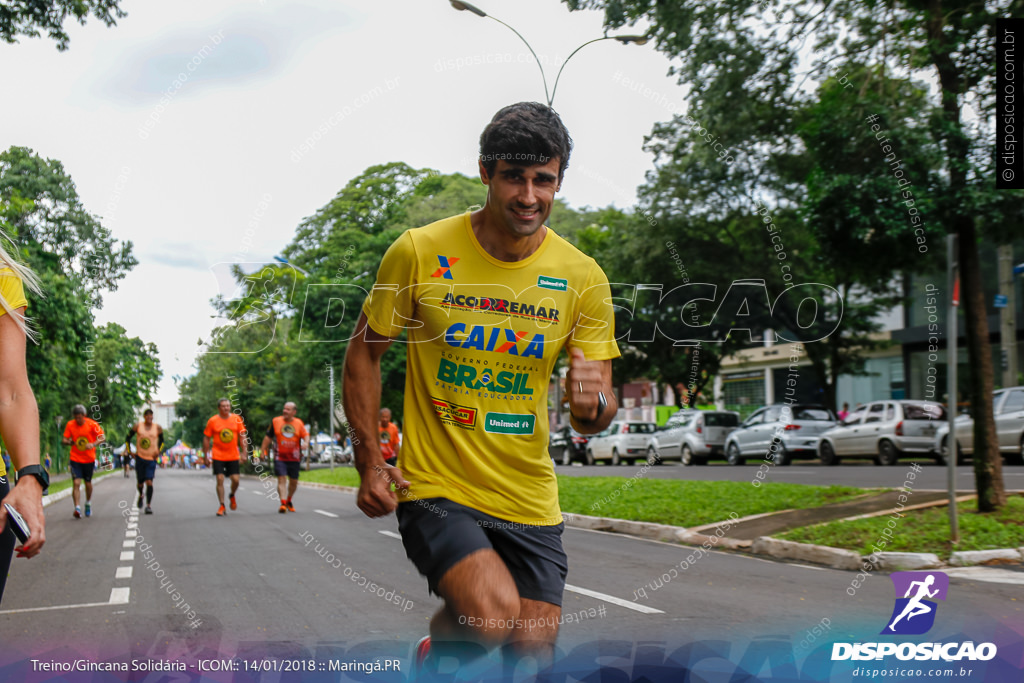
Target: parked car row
[[883, 431], [340, 455], [1008, 407]]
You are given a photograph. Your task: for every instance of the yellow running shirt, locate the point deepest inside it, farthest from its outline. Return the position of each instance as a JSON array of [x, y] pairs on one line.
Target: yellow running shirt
[[13, 293], [483, 336]]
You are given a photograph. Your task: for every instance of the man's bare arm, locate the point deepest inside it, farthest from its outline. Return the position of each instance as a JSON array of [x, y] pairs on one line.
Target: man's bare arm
[[361, 398]]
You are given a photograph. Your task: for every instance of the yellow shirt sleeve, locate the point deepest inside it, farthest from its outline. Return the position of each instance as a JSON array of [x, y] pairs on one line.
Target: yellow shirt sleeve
[[11, 290], [594, 332], [390, 306]]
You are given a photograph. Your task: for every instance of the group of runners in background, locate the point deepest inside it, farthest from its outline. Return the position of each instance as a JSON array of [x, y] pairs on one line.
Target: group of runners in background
[[223, 439]]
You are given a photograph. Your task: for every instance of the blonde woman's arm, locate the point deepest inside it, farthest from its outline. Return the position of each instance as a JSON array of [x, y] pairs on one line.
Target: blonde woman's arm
[[19, 425]]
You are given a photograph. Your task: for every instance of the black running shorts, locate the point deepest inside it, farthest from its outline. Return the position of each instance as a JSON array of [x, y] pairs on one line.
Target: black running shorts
[[437, 533], [226, 467]]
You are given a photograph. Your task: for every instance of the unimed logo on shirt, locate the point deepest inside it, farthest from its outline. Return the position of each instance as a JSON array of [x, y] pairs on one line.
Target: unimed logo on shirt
[[555, 283], [509, 423]]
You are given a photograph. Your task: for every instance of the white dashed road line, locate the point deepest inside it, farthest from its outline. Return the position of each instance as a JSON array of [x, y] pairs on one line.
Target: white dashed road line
[[325, 513], [644, 609]]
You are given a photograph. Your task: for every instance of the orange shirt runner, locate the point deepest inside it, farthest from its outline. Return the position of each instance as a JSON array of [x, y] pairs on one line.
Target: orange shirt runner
[[88, 432], [225, 434], [289, 437], [388, 440]]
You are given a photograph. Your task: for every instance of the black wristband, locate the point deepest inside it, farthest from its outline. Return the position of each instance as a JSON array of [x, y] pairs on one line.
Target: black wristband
[[35, 471]]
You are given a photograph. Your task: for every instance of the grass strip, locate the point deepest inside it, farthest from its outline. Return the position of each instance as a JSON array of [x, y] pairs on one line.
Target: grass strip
[[924, 531], [340, 476], [689, 503], [676, 502]]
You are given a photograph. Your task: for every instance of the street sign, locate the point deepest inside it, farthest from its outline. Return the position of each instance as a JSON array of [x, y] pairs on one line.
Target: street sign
[[1000, 301]]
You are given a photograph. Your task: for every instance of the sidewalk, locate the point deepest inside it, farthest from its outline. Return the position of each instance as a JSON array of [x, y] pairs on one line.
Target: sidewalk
[[752, 528]]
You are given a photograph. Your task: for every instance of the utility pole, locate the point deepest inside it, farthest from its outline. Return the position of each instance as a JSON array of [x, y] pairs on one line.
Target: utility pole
[[1007, 316], [330, 412], [951, 355]]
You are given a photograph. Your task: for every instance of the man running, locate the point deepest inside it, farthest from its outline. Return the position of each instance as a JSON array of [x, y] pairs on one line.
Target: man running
[[83, 434], [289, 437], [388, 438], [487, 300], [149, 443], [226, 430]]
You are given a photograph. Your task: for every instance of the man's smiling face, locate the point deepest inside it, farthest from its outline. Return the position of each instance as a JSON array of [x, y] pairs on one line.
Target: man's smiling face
[[519, 198]]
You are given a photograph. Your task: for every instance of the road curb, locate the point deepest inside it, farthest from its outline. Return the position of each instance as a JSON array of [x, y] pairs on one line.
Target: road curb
[[659, 532], [837, 558], [967, 558], [697, 538], [899, 561]]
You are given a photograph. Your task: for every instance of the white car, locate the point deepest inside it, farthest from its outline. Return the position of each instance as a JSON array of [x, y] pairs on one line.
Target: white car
[[884, 431], [623, 442], [1008, 407], [694, 436]]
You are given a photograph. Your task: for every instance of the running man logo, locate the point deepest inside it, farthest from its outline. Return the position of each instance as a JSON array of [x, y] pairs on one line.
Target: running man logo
[[226, 435], [913, 614], [81, 443], [453, 414], [445, 271], [144, 442]]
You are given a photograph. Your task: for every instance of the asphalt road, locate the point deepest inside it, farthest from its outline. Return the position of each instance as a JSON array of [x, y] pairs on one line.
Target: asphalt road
[[259, 588]]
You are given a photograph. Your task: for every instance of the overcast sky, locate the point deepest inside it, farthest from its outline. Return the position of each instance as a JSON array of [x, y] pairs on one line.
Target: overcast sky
[[185, 168]]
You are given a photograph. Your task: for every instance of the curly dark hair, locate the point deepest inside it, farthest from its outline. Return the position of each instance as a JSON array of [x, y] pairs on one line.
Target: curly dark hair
[[525, 132]]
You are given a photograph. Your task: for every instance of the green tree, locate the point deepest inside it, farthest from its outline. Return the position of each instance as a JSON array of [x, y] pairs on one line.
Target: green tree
[[40, 206], [28, 17], [124, 371], [76, 259], [743, 60]]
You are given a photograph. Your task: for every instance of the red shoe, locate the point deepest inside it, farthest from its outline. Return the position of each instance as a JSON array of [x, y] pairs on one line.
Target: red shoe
[[288, 504], [220, 511], [282, 509], [420, 654], [234, 505]]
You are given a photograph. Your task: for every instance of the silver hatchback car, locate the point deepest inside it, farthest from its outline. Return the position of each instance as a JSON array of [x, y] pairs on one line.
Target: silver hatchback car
[[780, 432], [884, 431], [695, 436]]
